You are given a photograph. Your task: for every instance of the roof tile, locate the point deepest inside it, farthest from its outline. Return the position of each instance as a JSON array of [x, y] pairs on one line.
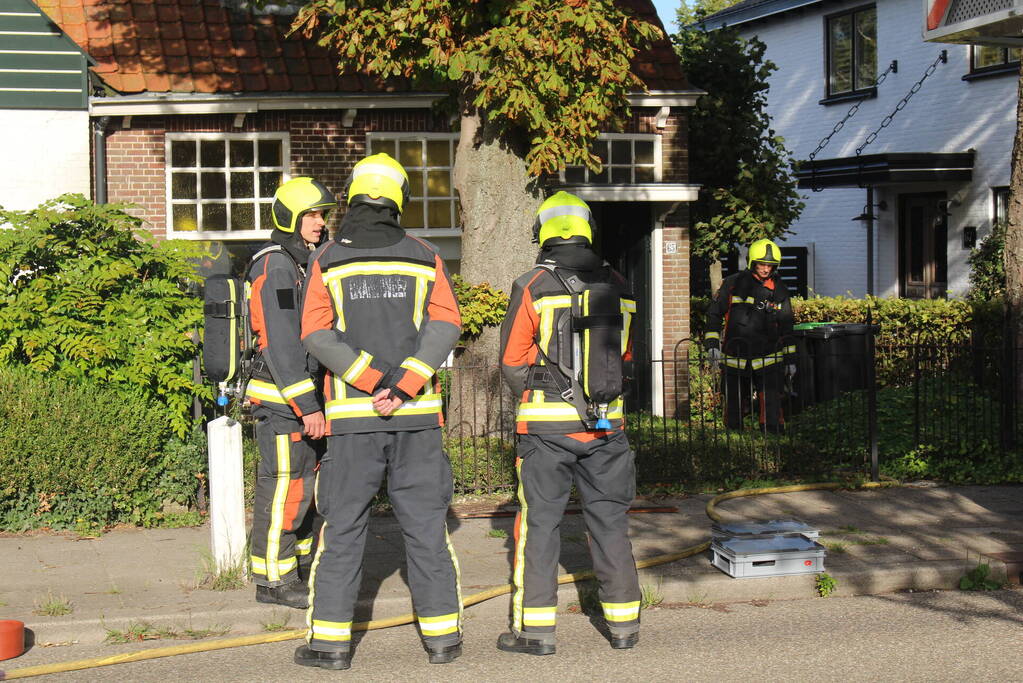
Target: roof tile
[[167, 13], [120, 13], [181, 83], [156, 82], [225, 65], [97, 31], [198, 48], [171, 31], [178, 65], [278, 82], [144, 12], [194, 31], [127, 47], [254, 82], [73, 15], [202, 65], [147, 29], [191, 14]]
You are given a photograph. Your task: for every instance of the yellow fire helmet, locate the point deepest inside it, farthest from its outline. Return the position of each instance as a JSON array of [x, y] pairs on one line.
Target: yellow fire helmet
[[764, 251], [296, 197], [565, 217], [379, 180]]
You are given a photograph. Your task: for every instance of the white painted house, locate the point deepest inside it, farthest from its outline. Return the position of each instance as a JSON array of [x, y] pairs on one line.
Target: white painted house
[[44, 108], [929, 184]]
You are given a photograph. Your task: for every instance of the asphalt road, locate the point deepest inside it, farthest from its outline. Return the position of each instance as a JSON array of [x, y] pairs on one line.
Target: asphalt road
[[934, 636]]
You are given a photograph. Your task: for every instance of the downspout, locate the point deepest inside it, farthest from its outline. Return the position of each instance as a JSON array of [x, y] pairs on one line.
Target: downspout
[[99, 146], [870, 240]]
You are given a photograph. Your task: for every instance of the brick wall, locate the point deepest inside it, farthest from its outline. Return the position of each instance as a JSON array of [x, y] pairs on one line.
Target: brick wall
[[320, 147]]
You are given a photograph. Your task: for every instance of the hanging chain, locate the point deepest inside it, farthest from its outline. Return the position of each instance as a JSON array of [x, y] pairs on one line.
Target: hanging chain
[[892, 68], [942, 59]]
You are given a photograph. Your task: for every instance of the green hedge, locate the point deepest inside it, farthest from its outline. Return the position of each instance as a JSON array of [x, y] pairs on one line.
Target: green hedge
[[902, 321], [78, 453]]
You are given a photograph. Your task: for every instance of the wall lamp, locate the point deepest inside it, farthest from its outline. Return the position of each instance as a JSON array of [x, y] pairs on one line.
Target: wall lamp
[[867, 214]]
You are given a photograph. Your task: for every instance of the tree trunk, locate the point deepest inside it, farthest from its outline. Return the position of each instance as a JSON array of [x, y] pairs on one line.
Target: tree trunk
[[498, 201], [1014, 237]]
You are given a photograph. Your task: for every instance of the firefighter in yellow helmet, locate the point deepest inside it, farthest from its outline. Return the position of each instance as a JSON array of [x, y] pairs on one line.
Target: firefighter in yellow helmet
[[380, 314], [564, 344], [282, 390], [749, 328]]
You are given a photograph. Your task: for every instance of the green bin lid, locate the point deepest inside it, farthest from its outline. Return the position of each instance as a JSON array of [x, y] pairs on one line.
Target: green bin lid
[[810, 326]]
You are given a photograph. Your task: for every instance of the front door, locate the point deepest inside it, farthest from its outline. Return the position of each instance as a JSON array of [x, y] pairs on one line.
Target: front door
[[923, 253], [623, 240]]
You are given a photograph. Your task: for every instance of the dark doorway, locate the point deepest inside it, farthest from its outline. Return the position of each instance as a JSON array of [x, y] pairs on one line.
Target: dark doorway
[[623, 240], [923, 246]]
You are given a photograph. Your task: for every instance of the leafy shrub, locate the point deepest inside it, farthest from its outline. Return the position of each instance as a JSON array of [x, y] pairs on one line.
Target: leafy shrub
[[481, 465], [987, 266], [77, 452], [84, 294], [480, 305]]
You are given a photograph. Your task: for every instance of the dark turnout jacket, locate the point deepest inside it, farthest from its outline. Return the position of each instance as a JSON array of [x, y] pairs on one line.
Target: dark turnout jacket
[[751, 322]]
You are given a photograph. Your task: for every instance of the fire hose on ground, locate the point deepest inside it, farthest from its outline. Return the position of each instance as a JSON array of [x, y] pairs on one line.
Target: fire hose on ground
[[259, 639]]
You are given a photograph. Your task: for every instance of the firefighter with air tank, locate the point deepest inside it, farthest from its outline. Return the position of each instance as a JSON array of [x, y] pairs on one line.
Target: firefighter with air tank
[[287, 404], [564, 341]]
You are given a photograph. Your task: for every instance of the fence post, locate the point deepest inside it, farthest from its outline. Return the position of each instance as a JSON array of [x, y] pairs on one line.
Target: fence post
[[872, 397], [227, 498], [1008, 388]]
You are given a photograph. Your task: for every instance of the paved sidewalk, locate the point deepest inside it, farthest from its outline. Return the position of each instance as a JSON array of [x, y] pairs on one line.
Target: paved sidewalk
[[881, 540]]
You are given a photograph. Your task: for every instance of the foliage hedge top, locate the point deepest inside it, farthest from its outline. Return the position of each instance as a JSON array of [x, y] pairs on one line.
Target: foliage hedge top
[[84, 293], [901, 321]]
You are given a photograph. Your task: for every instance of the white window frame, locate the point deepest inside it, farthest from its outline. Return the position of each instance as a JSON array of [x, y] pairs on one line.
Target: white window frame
[[233, 235], [633, 138], [452, 138]]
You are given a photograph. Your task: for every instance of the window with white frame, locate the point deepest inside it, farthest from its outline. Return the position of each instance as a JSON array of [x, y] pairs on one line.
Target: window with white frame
[[428, 158], [222, 184], [626, 158]]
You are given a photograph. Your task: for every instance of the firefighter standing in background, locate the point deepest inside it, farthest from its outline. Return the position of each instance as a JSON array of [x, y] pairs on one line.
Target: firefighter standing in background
[[749, 327], [381, 315], [548, 342], [287, 405]]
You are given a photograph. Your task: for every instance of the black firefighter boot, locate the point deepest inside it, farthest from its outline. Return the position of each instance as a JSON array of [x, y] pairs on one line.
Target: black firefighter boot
[[509, 642], [294, 594], [625, 642], [443, 655], [325, 660]]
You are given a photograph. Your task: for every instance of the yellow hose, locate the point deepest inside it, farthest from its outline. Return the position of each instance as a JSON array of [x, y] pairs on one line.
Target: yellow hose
[[476, 598]]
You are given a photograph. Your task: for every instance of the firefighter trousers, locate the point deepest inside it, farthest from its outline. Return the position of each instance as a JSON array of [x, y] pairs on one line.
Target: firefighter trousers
[[604, 474], [419, 486], [283, 511], [739, 387]]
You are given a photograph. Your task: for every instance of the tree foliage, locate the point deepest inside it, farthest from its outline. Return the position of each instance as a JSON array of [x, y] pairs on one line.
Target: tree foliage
[[84, 294], [552, 73], [694, 10], [748, 188]]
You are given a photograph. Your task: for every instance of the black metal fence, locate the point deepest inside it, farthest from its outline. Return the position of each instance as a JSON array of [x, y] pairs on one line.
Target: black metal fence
[[840, 404]]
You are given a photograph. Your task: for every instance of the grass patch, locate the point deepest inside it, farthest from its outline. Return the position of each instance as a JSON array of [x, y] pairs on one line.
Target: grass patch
[[825, 584], [589, 599], [52, 605], [497, 533], [209, 577], [835, 546], [277, 623], [181, 520], [138, 631], [650, 596]]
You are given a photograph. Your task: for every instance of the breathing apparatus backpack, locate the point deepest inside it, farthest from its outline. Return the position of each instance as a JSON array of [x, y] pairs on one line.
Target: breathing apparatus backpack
[[589, 348], [225, 347]]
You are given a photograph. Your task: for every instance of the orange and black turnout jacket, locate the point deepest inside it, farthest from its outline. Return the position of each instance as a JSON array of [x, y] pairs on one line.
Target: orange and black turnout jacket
[[380, 317], [539, 302], [751, 322], [283, 376]]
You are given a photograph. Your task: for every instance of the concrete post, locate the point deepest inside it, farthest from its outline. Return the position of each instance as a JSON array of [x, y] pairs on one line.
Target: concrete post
[[227, 499]]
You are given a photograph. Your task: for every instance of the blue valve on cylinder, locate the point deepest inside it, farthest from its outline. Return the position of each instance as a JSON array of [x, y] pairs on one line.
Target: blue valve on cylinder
[[602, 421], [222, 399]]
